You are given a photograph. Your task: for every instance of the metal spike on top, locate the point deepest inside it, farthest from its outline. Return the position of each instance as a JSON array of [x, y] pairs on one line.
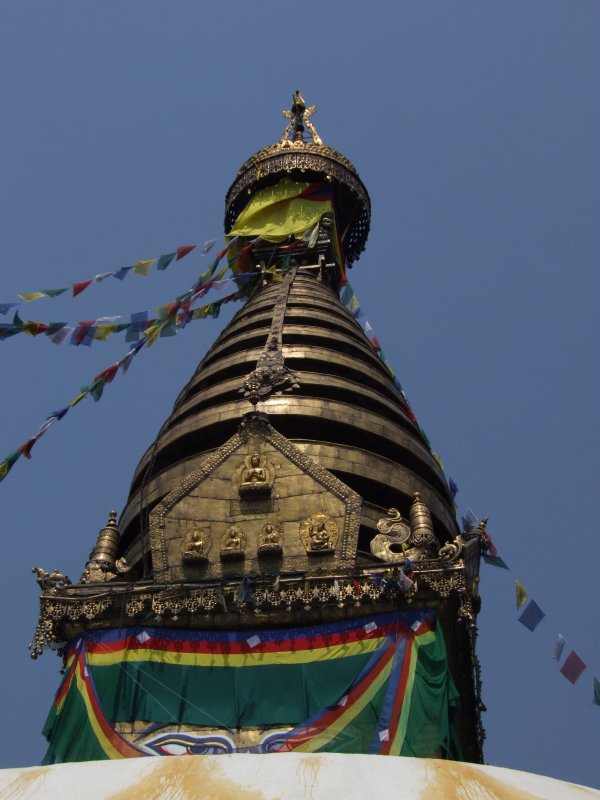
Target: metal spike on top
[[298, 117]]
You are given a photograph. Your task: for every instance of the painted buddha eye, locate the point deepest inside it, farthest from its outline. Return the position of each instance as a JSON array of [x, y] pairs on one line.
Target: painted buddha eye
[[183, 744]]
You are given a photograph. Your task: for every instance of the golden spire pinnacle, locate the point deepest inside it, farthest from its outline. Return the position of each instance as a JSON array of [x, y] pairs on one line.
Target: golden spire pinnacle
[[299, 118]]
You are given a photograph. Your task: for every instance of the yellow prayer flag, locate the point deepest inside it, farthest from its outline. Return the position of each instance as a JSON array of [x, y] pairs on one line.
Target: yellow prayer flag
[[152, 333], [3, 470], [438, 461], [78, 399], [28, 297], [102, 332], [142, 267], [272, 271], [522, 593]]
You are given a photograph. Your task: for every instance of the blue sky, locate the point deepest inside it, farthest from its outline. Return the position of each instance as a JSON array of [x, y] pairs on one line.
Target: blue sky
[[476, 128]]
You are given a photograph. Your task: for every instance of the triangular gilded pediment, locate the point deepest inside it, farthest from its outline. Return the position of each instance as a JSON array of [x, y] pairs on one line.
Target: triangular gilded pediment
[[257, 505]]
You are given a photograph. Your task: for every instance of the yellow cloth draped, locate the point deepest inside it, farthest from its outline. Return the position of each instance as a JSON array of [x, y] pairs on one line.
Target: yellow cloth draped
[[276, 212]]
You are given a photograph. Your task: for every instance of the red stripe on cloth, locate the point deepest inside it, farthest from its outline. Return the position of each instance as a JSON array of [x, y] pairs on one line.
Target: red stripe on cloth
[[116, 740], [234, 648], [330, 717]]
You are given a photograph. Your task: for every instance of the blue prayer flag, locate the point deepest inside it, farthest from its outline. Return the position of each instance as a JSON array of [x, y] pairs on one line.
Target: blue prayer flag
[[138, 324], [121, 273], [531, 616], [469, 521]]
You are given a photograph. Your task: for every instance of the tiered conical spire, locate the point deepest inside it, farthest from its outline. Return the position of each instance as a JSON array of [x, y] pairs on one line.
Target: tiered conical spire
[[257, 533]]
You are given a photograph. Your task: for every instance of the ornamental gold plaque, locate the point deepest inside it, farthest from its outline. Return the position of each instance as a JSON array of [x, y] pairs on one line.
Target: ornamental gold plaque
[[319, 534]]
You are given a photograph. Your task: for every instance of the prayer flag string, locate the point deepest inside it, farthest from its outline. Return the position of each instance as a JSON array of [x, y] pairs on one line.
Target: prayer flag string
[[85, 332], [140, 267], [530, 613], [171, 317]]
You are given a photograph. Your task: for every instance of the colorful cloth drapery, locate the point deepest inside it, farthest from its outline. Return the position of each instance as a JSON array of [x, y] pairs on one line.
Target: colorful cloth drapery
[[286, 210], [379, 684]]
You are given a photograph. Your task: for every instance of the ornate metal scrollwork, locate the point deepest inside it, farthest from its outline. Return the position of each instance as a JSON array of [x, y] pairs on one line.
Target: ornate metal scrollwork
[[50, 581], [451, 551], [271, 374]]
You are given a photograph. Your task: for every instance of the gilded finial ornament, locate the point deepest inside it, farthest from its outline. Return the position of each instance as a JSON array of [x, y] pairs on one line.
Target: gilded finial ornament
[[301, 155], [298, 117], [103, 564], [398, 542]]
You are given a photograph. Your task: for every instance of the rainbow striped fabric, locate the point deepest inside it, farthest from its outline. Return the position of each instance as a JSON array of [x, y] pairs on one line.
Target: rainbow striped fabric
[[378, 684]]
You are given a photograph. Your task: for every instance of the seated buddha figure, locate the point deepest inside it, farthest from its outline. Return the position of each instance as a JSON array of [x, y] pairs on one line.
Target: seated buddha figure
[[196, 547], [233, 544], [270, 540], [255, 476]]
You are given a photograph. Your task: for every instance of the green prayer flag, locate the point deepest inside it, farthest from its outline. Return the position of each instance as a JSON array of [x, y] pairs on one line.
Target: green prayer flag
[[596, 700], [522, 593], [164, 261], [53, 292], [7, 464], [494, 561]]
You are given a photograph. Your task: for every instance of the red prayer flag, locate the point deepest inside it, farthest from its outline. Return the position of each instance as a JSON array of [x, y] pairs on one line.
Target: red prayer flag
[[25, 449], [79, 287], [184, 250], [573, 667], [34, 328], [82, 330], [411, 414], [489, 542], [107, 375]]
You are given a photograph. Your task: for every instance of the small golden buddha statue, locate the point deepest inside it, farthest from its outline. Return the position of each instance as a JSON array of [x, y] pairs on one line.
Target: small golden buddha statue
[[195, 548], [255, 476], [270, 540], [233, 544]]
